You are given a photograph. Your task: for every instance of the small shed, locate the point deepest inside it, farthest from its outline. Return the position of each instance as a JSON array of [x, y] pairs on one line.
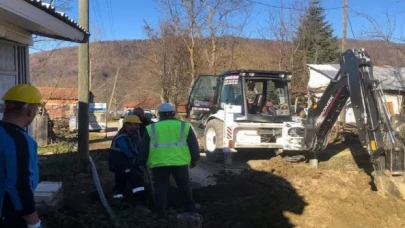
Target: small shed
[[19, 20], [146, 103], [391, 79], [181, 107], [60, 102]]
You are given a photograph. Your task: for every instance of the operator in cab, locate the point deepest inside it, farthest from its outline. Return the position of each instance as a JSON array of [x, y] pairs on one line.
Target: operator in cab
[[170, 147], [18, 158]]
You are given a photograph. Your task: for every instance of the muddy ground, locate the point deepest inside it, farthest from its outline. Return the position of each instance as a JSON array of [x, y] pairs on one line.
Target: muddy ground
[[274, 193], [258, 190]]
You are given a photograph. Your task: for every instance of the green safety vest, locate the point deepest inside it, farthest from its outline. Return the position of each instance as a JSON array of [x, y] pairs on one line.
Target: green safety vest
[[168, 143]]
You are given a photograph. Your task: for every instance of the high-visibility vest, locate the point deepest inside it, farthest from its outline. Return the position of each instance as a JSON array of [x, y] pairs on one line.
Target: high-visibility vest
[[168, 143]]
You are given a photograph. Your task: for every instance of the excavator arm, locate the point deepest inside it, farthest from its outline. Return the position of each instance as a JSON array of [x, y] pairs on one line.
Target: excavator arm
[[355, 81]]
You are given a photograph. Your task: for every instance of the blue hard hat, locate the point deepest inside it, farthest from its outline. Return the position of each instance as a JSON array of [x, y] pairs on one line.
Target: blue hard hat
[[166, 107]]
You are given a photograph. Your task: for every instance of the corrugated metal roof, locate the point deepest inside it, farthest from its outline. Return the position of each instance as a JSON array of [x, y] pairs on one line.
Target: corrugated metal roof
[[48, 8], [391, 78], [329, 70]]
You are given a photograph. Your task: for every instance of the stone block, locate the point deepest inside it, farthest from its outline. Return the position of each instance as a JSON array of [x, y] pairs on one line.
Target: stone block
[[48, 197]]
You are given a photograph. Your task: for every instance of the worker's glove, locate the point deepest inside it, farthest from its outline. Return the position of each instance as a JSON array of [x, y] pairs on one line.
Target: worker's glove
[[38, 225], [192, 165]]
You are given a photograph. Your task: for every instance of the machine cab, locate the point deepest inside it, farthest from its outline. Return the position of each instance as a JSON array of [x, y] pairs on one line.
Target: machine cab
[[262, 95]]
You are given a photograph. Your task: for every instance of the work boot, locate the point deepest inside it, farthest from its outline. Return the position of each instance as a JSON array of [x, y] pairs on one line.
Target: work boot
[[118, 196]]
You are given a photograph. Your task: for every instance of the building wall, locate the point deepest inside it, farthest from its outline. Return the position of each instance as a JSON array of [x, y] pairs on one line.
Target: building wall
[[14, 69], [11, 72], [396, 101], [393, 100], [57, 109]]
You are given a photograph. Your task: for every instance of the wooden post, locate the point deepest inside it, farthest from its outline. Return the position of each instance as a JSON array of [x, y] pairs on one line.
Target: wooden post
[[344, 26], [342, 116], [40, 129], [83, 114]]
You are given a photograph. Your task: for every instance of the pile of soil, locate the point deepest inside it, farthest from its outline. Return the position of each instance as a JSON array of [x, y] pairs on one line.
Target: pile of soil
[[280, 194]]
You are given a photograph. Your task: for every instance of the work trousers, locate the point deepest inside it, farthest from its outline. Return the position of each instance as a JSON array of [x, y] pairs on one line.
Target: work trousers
[[133, 177], [161, 176]]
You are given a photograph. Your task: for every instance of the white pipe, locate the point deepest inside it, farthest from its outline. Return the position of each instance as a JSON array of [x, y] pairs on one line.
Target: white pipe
[[101, 194]]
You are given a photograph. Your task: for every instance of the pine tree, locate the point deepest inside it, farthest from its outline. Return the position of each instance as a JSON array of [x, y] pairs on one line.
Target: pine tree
[[314, 41]]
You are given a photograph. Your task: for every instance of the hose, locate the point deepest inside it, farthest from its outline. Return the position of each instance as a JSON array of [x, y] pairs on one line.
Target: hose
[[101, 194]]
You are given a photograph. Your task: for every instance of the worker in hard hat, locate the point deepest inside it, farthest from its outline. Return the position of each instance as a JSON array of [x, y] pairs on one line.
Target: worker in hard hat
[[145, 121], [170, 147], [122, 160], [19, 174]]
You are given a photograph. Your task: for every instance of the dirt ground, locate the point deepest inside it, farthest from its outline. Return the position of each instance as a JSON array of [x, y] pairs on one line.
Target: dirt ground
[[257, 191], [275, 193]]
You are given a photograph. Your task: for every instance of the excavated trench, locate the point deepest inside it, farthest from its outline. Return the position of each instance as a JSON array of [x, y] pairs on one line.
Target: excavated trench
[[274, 193]]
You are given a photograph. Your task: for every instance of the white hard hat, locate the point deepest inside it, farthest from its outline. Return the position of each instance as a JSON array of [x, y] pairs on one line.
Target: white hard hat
[[166, 107]]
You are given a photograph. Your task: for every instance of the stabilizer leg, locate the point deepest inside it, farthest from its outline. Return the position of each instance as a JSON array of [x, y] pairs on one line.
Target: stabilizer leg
[[313, 161]]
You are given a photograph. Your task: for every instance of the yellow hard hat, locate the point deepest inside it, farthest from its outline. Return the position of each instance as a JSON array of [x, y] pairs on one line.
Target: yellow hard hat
[[24, 93], [132, 119]]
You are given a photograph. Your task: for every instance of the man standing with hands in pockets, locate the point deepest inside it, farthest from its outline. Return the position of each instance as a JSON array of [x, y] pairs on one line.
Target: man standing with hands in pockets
[[19, 174], [170, 147]]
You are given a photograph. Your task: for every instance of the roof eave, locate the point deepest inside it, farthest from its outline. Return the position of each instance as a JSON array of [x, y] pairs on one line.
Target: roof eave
[[85, 39], [33, 17]]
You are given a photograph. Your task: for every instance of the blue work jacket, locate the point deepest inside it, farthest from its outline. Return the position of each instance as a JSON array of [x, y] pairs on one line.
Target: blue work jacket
[[19, 174]]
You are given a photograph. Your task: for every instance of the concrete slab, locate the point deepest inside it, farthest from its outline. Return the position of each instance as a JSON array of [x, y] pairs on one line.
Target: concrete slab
[[51, 207], [48, 196]]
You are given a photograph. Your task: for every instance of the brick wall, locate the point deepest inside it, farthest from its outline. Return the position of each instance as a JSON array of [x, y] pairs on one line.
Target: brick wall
[[60, 108]]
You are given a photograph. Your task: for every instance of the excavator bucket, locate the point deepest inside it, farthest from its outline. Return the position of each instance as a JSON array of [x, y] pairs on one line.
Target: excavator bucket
[[387, 184], [389, 175]]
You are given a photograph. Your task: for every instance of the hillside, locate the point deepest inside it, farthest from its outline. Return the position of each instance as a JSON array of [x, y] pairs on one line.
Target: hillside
[[135, 80]]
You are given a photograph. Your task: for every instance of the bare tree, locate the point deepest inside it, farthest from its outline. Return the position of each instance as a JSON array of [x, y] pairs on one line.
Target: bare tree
[[385, 30], [186, 16], [205, 27], [219, 29], [169, 59], [281, 26], [44, 43], [279, 31]]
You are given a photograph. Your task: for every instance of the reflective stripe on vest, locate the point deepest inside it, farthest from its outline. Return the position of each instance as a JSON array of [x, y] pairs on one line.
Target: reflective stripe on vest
[[155, 142]]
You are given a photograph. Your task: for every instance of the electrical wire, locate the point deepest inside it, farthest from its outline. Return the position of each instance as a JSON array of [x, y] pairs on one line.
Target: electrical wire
[[289, 8], [351, 27]]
